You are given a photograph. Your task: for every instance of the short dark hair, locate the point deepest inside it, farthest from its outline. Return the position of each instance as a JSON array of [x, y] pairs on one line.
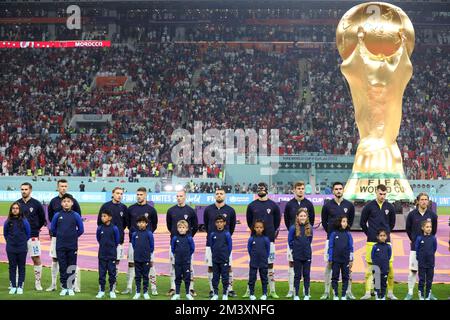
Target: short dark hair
[[220, 217], [61, 181], [107, 212], [142, 218], [221, 189], [337, 183], [67, 196], [258, 221], [381, 187], [381, 231], [263, 185], [27, 184], [141, 189]]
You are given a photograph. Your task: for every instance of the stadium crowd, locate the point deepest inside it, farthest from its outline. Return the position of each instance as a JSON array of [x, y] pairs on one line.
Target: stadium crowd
[[174, 85]]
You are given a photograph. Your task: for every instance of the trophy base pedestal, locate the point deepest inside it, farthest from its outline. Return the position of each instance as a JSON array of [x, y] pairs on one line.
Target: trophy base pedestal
[[362, 186]]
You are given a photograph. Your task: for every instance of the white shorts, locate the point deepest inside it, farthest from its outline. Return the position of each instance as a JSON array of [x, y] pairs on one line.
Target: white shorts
[[208, 257], [120, 252], [290, 258], [413, 263], [271, 259], [131, 254], [52, 251], [34, 247], [325, 252]]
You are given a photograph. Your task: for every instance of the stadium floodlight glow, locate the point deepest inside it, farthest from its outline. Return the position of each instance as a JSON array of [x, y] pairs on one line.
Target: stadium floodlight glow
[[168, 187], [178, 187]]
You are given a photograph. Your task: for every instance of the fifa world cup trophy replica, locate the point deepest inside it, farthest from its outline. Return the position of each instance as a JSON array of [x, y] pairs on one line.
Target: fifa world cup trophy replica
[[375, 41]]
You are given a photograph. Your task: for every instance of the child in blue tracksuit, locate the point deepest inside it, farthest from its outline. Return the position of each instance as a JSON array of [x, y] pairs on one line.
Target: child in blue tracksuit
[[183, 248], [258, 249], [108, 238], [299, 239], [221, 246], [143, 245], [426, 246], [381, 254], [16, 231], [67, 227], [340, 255]]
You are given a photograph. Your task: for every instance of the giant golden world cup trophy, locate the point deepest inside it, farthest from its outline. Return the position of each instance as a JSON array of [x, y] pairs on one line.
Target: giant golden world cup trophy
[[375, 41]]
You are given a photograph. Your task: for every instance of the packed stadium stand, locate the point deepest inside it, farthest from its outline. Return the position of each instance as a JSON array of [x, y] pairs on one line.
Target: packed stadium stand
[[226, 67]]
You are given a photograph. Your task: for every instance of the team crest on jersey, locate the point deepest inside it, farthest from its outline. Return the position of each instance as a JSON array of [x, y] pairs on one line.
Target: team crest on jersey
[[224, 215], [31, 209], [121, 213], [337, 237], [185, 217], [345, 210], [268, 211], [386, 211], [146, 215]]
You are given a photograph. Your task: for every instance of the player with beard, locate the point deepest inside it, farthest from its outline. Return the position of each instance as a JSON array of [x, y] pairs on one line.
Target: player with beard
[[332, 211], [268, 211], [209, 219]]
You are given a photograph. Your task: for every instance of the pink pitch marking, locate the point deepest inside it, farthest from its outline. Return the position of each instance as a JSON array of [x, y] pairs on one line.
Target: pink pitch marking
[[87, 254]]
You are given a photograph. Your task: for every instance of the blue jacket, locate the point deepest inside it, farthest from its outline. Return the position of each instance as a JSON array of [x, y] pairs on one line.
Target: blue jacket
[[301, 245], [221, 246], [108, 239], [258, 248], [177, 213], [16, 233], [340, 248], [381, 254], [373, 219], [35, 214], [291, 209], [209, 219], [414, 224], [135, 211], [143, 244], [67, 226], [426, 247], [183, 248], [269, 212], [331, 211], [119, 213]]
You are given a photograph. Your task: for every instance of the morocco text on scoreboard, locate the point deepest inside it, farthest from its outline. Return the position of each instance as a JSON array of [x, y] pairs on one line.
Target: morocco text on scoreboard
[[55, 44]]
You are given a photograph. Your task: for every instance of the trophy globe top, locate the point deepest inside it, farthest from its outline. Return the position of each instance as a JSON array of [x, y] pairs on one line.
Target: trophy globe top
[[382, 26]]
